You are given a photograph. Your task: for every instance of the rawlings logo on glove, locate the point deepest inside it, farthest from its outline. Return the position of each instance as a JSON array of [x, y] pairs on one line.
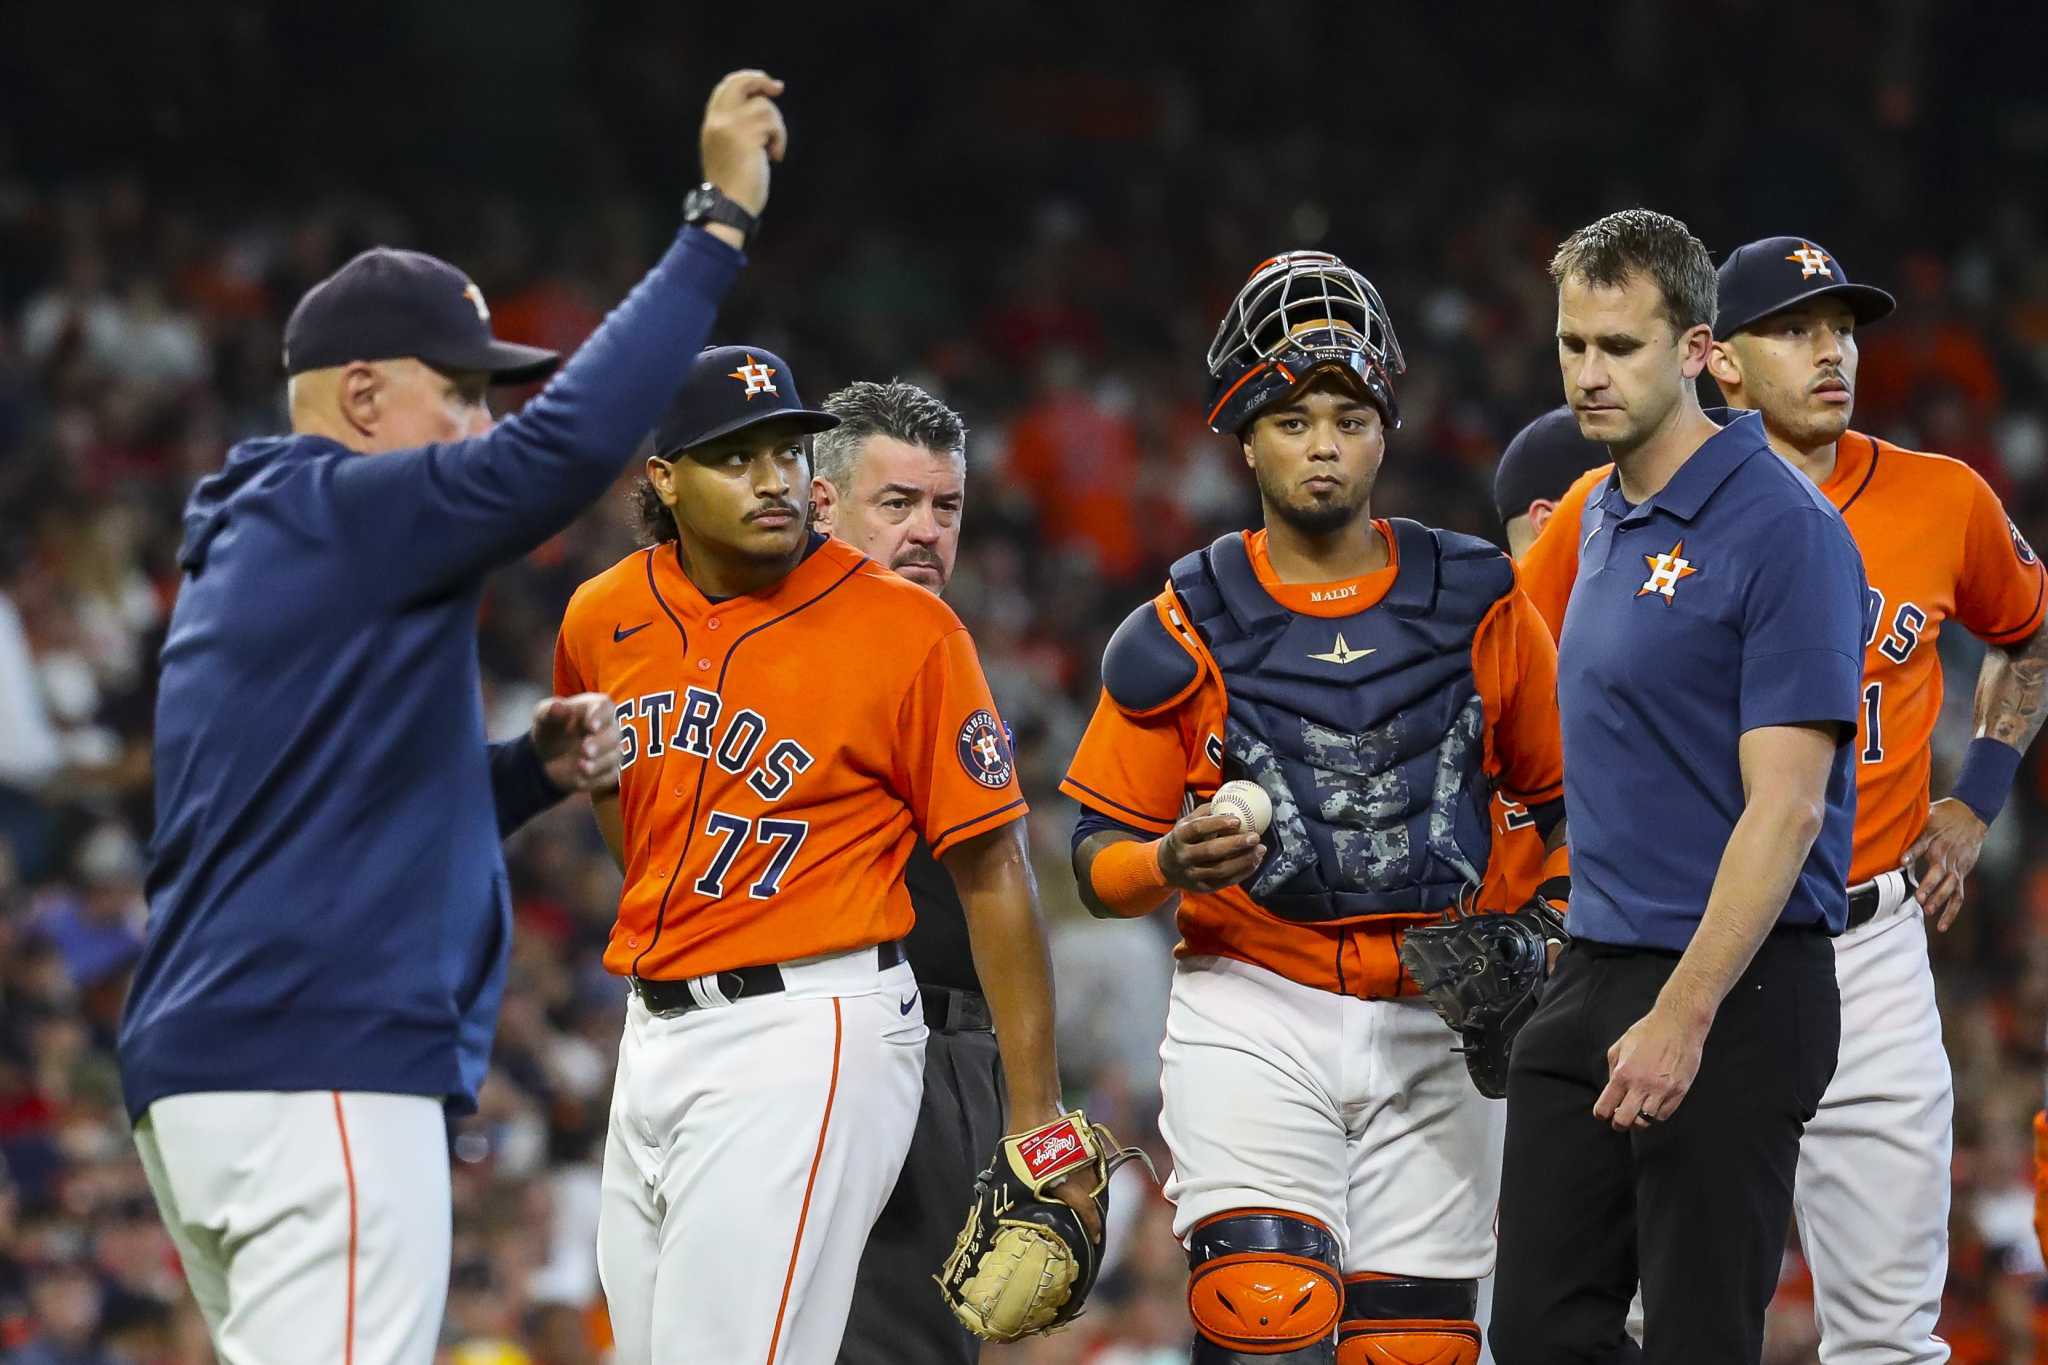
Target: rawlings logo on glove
[[1024, 1262]]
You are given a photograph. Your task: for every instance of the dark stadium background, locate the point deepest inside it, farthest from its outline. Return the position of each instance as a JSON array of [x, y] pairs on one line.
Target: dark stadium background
[[1037, 210]]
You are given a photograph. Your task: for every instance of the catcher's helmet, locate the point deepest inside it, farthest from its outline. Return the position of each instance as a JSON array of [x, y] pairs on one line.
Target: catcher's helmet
[[1300, 312]]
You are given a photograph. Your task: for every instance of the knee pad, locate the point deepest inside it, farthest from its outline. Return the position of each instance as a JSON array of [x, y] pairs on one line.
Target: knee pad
[[1264, 1283], [1394, 1320]]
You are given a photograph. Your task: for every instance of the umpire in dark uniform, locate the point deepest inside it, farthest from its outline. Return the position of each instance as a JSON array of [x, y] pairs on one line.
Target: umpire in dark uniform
[[1707, 684], [891, 480]]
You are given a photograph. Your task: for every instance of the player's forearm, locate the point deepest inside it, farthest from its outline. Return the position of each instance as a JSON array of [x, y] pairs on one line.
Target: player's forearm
[[993, 875], [1758, 869], [1120, 892], [612, 390], [2012, 691]]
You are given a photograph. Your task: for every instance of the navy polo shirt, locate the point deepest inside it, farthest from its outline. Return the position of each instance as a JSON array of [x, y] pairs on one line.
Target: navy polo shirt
[[1729, 600]]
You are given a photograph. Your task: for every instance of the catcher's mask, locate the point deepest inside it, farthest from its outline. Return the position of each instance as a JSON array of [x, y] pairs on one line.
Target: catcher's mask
[[1301, 314]]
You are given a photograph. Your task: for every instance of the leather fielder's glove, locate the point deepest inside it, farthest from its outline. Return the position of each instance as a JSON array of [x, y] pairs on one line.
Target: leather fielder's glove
[[1024, 1263], [1483, 975]]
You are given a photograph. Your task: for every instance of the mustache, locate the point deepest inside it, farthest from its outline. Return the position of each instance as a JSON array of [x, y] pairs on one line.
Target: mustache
[[765, 508], [917, 559]]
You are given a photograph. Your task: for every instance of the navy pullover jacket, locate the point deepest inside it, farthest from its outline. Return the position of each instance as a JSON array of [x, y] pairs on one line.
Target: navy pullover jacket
[[327, 898]]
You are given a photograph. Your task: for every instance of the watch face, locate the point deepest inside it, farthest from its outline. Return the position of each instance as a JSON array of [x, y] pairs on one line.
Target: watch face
[[699, 202]]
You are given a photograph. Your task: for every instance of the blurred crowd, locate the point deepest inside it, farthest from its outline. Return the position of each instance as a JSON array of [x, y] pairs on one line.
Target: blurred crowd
[[1055, 274]]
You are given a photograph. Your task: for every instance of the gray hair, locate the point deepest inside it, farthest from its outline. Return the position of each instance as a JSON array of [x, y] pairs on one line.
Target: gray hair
[[899, 410]]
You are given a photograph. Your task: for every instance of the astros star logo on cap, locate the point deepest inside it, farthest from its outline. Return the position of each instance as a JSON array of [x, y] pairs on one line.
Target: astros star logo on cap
[[1812, 261], [1665, 572], [757, 377]]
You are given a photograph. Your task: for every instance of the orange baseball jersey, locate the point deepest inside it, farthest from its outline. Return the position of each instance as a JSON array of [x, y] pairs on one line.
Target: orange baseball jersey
[[1519, 858], [1936, 545], [781, 752], [1145, 771]]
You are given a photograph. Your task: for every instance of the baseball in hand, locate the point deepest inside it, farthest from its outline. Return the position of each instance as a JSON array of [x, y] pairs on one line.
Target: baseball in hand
[[1245, 800]]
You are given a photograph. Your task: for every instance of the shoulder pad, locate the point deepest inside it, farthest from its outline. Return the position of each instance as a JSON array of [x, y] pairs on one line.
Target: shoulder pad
[[1458, 545], [1144, 667], [1483, 564]]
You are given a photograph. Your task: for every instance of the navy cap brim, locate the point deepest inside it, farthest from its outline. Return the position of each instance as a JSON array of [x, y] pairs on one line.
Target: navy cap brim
[[507, 362], [809, 421], [1866, 302]]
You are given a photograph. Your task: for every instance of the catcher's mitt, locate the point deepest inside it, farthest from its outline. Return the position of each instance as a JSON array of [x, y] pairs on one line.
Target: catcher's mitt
[[1483, 974], [1024, 1263]]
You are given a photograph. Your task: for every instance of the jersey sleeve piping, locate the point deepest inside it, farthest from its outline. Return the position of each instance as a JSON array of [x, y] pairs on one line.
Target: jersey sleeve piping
[[980, 824], [2033, 620], [1096, 801]]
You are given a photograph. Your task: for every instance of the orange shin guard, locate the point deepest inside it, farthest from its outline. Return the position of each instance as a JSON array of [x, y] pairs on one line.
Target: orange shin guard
[[1263, 1282], [1423, 1341], [1262, 1303], [1396, 1320]]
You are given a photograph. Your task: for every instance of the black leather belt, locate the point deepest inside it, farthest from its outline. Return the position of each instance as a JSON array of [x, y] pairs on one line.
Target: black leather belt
[[1863, 903], [949, 1011], [741, 983]]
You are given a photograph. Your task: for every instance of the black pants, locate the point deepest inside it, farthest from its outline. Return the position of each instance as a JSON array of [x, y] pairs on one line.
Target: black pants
[[898, 1317], [1697, 1205]]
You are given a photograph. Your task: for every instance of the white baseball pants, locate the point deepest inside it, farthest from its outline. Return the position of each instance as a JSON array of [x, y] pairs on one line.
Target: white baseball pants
[[313, 1224], [752, 1146], [1353, 1112], [1872, 1197]]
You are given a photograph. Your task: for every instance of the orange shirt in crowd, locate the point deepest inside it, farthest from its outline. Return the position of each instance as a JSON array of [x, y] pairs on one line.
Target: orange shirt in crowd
[[1081, 464]]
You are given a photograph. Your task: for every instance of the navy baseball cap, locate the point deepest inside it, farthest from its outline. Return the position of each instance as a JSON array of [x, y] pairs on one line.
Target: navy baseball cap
[[1543, 461], [388, 304], [731, 388], [1767, 277]]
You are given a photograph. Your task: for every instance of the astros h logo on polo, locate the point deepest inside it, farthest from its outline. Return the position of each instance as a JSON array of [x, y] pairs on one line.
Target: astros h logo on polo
[[1812, 261], [757, 377], [1666, 572]]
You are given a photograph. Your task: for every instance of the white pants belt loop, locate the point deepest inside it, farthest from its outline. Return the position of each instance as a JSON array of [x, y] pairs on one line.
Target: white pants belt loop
[[1894, 893]]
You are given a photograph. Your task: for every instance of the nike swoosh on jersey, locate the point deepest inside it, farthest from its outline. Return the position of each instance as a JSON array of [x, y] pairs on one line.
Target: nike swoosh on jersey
[[619, 634], [908, 1001]]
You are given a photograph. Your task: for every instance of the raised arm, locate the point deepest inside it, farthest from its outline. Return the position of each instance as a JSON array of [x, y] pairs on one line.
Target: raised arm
[[429, 518]]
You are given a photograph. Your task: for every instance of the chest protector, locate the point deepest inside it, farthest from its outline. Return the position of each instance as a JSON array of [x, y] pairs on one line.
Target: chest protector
[[1367, 730]]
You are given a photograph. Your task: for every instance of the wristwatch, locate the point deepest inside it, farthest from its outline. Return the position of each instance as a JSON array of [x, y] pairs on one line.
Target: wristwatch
[[709, 204]]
